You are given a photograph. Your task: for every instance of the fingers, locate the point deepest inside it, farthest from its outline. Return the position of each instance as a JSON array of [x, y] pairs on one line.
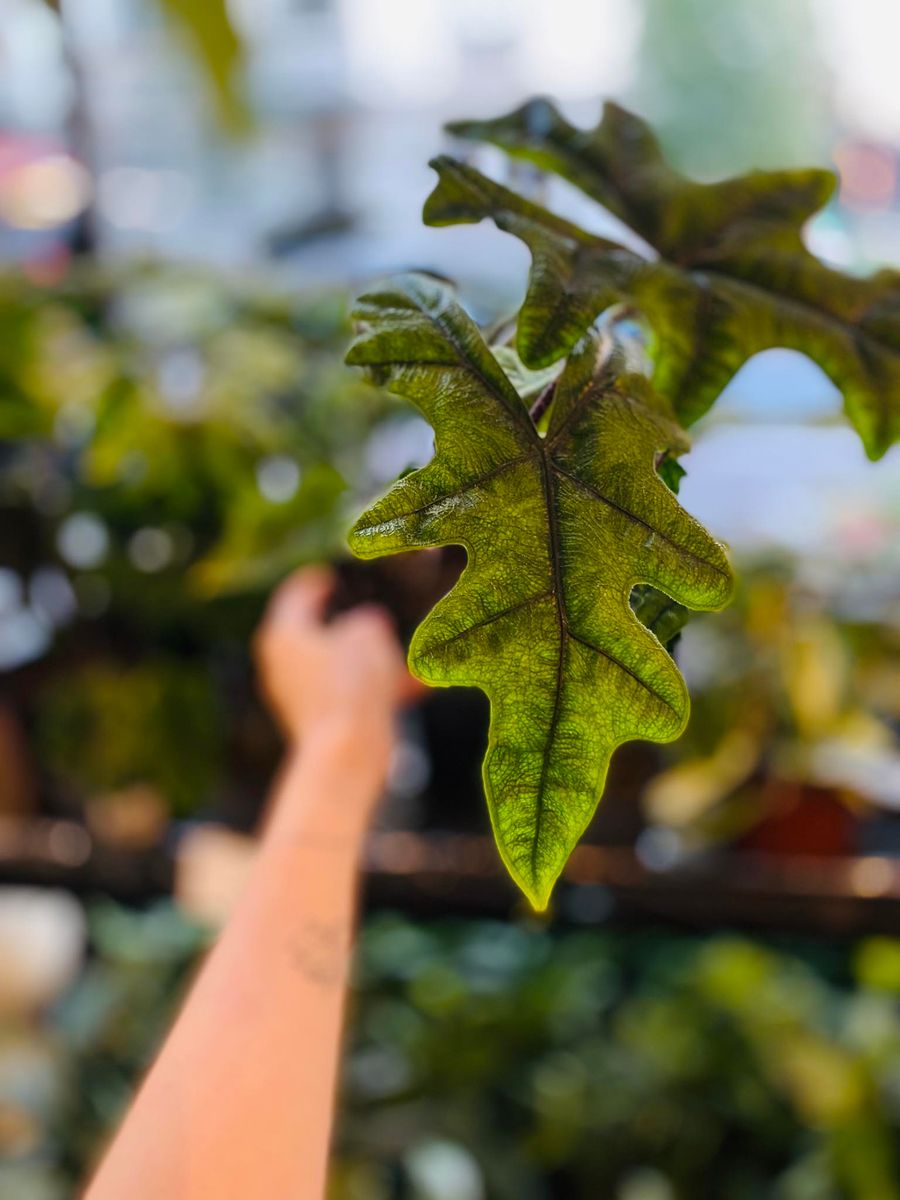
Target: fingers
[[369, 620], [301, 598], [293, 631]]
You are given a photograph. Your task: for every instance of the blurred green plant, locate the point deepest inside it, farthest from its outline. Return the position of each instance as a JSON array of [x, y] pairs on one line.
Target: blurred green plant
[[156, 723], [165, 395], [790, 690], [210, 33], [575, 1065], [173, 442], [493, 1061]]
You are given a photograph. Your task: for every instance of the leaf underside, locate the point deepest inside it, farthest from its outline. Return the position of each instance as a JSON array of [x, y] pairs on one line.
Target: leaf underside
[[729, 274], [558, 530]]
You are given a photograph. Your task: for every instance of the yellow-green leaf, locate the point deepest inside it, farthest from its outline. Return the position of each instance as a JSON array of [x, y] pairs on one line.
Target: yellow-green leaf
[[558, 529], [219, 50]]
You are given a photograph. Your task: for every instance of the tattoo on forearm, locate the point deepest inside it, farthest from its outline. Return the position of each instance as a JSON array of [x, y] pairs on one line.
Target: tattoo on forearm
[[321, 952]]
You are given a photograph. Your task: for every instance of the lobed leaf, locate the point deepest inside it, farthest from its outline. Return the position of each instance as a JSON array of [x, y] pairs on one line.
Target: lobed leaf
[[558, 531], [574, 275], [726, 275]]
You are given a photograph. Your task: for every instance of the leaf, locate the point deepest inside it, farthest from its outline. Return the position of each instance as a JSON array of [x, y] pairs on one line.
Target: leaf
[[529, 384], [558, 531], [574, 276], [261, 541], [219, 50], [726, 275]]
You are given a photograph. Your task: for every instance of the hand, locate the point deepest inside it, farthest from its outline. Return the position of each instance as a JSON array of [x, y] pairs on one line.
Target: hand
[[346, 677]]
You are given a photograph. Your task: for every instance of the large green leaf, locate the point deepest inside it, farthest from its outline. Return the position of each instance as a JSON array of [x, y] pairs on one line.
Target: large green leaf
[[726, 275], [558, 531]]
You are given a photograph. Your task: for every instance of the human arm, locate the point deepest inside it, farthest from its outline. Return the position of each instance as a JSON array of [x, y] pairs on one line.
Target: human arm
[[239, 1103]]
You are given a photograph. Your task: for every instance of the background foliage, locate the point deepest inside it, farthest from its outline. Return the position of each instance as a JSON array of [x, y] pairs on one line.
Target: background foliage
[[490, 1061], [173, 442], [793, 747]]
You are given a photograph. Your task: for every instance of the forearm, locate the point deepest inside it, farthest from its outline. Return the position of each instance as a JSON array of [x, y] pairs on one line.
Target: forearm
[[239, 1103]]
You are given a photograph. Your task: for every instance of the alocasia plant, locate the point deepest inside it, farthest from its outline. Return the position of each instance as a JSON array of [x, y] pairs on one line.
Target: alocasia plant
[[728, 274], [558, 530], [560, 484]]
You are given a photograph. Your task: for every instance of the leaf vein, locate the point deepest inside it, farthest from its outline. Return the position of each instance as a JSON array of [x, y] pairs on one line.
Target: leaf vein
[[517, 411], [626, 512], [623, 667], [445, 496], [563, 623], [498, 616]]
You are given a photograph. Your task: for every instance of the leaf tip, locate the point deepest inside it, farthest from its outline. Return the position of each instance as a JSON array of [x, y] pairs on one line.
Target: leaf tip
[[359, 537], [875, 447], [537, 888], [459, 129], [538, 898], [352, 357]]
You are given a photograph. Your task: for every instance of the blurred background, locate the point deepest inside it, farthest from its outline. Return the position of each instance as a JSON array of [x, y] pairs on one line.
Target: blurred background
[[190, 190]]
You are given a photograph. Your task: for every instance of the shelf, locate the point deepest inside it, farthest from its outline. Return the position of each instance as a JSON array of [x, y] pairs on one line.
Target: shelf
[[453, 874]]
